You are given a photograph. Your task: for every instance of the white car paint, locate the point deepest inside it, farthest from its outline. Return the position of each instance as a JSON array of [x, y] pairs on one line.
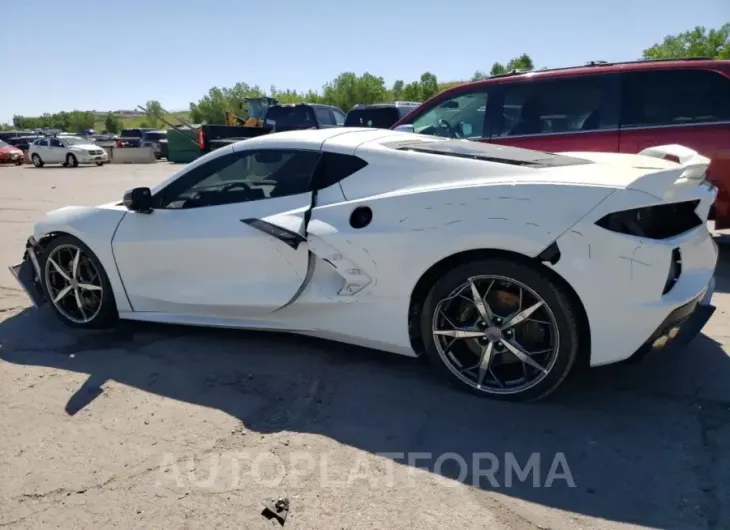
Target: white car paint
[[204, 267], [55, 150]]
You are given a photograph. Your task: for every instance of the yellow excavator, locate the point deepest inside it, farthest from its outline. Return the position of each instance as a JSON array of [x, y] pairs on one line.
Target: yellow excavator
[[256, 108]]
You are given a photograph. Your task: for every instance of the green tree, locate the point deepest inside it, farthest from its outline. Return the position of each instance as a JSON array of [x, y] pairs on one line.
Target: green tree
[[112, 123], [429, 85], [412, 92], [698, 42], [348, 89], [397, 90], [522, 62], [154, 111], [479, 75]]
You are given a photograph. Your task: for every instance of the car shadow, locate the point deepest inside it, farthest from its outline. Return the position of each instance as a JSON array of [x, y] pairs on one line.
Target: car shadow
[[642, 442]]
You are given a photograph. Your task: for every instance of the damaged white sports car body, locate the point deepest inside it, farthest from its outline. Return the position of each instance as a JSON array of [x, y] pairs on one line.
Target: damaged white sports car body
[[504, 266]]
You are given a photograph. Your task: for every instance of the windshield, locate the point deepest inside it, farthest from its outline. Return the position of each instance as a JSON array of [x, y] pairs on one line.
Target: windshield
[[378, 117], [501, 154], [73, 140], [3, 144]]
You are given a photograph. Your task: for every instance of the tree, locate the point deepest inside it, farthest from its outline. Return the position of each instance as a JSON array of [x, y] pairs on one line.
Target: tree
[[698, 42], [479, 75], [397, 90], [112, 123], [349, 89], [429, 85], [523, 62], [412, 92], [154, 111]]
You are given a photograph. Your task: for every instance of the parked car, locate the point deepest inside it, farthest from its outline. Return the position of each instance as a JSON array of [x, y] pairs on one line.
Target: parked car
[[505, 266], [157, 140], [131, 137], [381, 115], [67, 151], [619, 108], [10, 154]]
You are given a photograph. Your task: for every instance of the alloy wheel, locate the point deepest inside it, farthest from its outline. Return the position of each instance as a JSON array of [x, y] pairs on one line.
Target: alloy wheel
[[74, 284], [496, 334]]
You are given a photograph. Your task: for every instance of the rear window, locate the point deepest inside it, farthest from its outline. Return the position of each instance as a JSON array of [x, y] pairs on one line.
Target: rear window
[[514, 156], [378, 117], [299, 116], [154, 136]]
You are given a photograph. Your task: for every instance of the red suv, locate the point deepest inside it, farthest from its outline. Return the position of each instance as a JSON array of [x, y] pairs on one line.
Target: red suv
[[617, 107]]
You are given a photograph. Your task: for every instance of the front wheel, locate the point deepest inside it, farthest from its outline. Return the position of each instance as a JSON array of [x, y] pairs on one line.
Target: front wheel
[[77, 285], [71, 160], [100, 164], [501, 329]]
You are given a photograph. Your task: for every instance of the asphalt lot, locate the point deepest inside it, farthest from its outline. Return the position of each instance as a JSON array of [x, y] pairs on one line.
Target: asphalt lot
[[168, 427]]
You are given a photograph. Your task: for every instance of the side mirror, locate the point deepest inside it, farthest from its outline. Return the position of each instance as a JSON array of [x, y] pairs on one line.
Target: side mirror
[[138, 200], [408, 127]]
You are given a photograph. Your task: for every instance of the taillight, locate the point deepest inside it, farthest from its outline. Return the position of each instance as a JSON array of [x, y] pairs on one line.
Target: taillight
[[119, 143], [201, 138], [654, 222]]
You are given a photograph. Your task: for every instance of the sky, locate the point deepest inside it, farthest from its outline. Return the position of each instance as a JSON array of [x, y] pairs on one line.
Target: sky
[[89, 55]]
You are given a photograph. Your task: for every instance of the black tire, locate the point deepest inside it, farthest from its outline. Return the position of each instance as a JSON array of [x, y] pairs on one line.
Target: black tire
[[107, 314], [100, 164], [555, 298], [19, 163], [37, 161], [71, 160]]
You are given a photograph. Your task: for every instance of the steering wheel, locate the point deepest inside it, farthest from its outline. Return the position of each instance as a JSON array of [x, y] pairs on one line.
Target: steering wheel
[[443, 124], [244, 185]]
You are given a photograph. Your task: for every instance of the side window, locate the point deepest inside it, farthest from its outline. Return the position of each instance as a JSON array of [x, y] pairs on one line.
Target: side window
[[566, 105], [323, 116], [462, 116], [674, 97], [241, 177], [56, 143], [339, 116], [41, 143], [334, 167]]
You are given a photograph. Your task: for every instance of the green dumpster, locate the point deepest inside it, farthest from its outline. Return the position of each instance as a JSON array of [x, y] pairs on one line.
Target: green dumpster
[[182, 145]]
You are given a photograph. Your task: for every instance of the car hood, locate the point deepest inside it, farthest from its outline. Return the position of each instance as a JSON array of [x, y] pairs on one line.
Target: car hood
[[10, 149]]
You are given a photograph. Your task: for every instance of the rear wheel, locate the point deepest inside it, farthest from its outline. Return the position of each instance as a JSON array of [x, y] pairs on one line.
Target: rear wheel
[[36, 159], [77, 285], [100, 164], [501, 329]]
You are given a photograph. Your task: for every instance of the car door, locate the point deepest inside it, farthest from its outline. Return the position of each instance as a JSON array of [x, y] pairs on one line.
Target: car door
[[225, 239], [577, 113], [40, 147], [56, 152]]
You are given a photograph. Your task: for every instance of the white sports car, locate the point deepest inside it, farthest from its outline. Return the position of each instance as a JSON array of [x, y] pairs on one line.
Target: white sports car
[[506, 267]]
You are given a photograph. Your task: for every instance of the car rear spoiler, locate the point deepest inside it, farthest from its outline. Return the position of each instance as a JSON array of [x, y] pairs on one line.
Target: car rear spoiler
[[690, 171]]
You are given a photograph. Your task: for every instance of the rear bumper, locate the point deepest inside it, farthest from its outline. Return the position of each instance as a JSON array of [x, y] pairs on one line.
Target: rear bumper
[[681, 326], [28, 273]]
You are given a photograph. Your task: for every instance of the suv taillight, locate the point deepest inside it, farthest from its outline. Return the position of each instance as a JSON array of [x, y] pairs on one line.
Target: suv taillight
[[201, 138], [119, 143]]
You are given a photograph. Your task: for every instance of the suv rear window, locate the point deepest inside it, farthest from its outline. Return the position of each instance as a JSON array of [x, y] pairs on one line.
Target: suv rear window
[[378, 117], [675, 97], [297, 116], [154, 136], [513, 156]]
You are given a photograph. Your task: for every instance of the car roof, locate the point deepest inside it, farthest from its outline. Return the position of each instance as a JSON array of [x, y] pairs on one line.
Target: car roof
[[337, 139], [593, 68]]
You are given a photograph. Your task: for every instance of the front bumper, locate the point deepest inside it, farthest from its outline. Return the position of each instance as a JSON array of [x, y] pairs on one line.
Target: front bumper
[[28, 273]]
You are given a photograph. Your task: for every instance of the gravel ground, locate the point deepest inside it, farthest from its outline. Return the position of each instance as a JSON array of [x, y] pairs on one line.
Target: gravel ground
[[168, 427]]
